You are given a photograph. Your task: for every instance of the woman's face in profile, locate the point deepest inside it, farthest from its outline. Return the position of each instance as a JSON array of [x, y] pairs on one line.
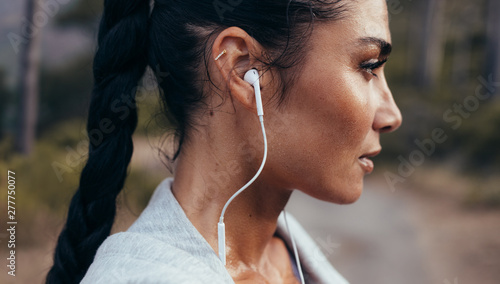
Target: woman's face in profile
[[338, 107]]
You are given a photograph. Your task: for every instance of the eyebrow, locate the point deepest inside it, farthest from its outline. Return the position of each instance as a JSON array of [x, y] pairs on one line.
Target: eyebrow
[[385, 47]]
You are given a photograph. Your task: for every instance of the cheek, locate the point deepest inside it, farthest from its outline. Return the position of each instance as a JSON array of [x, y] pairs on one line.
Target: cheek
[[326, 122], [341, 113]]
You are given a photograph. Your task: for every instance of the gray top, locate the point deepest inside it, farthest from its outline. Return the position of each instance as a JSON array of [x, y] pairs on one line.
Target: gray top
[[163, 246]]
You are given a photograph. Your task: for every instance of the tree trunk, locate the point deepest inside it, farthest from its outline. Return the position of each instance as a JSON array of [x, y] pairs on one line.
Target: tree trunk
[[430, 39], [28, 84], [493, 42], [462, 49]]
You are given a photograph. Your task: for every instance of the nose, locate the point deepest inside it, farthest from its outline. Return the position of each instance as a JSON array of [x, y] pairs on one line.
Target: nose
[[388, 116]]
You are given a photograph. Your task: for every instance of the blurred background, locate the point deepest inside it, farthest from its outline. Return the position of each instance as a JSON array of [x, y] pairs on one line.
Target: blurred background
[[430, 212]]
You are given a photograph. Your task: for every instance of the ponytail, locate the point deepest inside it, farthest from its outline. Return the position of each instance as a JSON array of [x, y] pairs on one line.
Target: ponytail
[[119, 63]]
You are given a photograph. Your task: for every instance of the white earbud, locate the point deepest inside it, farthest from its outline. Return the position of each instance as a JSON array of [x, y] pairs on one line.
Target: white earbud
[[252, 77]]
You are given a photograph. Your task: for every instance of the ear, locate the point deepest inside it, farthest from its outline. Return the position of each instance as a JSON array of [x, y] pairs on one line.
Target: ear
[[239, 58]]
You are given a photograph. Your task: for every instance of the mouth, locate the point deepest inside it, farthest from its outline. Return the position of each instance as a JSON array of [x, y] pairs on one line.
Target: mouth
[[365, 161]]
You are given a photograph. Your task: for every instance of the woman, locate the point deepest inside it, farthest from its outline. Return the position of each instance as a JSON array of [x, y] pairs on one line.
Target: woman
[[326, 102]]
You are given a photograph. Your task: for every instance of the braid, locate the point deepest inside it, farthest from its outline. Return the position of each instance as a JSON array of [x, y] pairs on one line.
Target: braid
[[119, 64]]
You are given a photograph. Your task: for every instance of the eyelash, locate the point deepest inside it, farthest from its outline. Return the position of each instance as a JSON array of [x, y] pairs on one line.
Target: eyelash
[[372, 66]]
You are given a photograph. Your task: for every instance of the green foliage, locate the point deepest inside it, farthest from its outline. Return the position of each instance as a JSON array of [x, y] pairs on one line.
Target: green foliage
[[48, 178], [5, 99], [38, 187], [481, 138]]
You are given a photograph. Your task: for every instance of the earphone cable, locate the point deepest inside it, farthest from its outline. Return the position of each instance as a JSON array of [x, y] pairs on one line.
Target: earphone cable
[[261, 119], [221, 230], [297, 259]]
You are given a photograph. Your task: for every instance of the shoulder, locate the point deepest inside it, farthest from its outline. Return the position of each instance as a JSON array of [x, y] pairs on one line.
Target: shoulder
[[129, 257]]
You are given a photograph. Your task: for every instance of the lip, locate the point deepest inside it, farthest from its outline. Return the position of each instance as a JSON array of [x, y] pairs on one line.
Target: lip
[[365, 161]]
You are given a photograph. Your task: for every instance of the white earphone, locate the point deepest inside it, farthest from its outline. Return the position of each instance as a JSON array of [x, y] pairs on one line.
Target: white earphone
[[252, 77]]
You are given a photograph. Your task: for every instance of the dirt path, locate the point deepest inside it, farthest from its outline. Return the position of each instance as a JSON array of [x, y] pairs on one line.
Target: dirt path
[[462, 244], [404, 237]]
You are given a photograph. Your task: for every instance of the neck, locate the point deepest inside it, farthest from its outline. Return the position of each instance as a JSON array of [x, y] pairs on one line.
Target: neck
[[204, 182]]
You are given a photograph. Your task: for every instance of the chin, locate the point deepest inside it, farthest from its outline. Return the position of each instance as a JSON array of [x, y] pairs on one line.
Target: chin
[[350, 197], [346, 192]]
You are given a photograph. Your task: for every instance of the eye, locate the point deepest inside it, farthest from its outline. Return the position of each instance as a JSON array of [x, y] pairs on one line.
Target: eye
[[372, 65]]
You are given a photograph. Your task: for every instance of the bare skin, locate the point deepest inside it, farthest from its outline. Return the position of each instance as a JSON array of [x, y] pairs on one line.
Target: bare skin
[[333, 117]]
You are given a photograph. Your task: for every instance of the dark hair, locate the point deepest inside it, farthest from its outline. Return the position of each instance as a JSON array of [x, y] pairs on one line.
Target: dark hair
[[173, 39]]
